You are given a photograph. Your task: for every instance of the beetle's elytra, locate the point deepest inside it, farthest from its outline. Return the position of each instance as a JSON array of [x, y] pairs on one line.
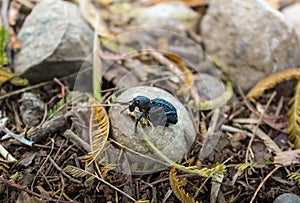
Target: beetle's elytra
[[158, 111]]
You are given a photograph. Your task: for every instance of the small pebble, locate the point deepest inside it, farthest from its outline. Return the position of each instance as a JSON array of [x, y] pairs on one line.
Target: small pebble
[[32, 109], [287, 198]]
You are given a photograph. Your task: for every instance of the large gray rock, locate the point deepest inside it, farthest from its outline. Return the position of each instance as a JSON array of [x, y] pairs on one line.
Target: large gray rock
[[55, 41], [292, 17], [251, 38]]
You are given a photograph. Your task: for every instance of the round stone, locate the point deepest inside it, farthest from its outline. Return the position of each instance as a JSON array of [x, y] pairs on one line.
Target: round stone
[[287, 198], [173, 141]]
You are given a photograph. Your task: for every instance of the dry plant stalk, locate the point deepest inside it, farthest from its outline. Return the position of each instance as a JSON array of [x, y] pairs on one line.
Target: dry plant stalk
[[294, 117], [99, 131], [271, 81]]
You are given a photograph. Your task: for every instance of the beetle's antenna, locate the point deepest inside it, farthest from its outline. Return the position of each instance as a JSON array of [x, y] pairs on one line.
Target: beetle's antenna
[[123, 103], [124, 110]]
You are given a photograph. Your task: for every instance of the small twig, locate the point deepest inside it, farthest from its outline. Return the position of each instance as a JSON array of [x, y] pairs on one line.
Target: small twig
[[44, 117], [70, 135], [263, 182], [57, 152], [62, 172], [48, 128], [19, 187], [257, 126], [266, 119], [11, 134], [62, 186], [279, 106], [26, 89], [167, 195], [6, 154], [206, 147], [42, 166]]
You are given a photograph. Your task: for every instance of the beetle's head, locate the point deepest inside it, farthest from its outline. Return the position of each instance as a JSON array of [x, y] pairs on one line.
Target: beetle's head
[[132, 106], [141, 102]]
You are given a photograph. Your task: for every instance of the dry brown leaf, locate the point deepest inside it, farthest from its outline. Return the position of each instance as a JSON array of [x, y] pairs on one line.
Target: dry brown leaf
[[271, 81]]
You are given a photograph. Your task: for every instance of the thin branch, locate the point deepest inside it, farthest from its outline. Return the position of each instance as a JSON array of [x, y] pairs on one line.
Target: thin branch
[[6, 154], [263, 182], [257, 126], [62, 172]]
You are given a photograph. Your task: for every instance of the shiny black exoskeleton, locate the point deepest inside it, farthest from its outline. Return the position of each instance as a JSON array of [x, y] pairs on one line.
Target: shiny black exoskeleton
[[158, 111]]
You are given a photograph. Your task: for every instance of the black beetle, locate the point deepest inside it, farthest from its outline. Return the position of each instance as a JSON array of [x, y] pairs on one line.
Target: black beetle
[[158, 111]]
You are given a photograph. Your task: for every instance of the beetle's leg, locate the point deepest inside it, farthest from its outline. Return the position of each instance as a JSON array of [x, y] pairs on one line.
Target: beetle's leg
[[152, 126], [138, 118]]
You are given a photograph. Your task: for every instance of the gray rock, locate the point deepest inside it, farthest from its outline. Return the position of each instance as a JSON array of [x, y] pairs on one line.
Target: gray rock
[[173, 141], [287, 198], [251, 38], [292, 17], [32, 109], [55, 41]]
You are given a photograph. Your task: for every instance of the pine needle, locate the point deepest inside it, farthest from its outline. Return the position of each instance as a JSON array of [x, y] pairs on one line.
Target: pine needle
[[294, 117], [271, 81]]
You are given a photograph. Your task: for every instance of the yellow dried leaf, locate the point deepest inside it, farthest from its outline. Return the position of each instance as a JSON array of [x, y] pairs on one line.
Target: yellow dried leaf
[[271, 81], [294, 117], [176, 188], [98, 130]]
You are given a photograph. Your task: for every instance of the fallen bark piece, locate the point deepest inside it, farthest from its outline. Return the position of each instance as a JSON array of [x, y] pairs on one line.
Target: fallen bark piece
[[287, 158], [57, 124]]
